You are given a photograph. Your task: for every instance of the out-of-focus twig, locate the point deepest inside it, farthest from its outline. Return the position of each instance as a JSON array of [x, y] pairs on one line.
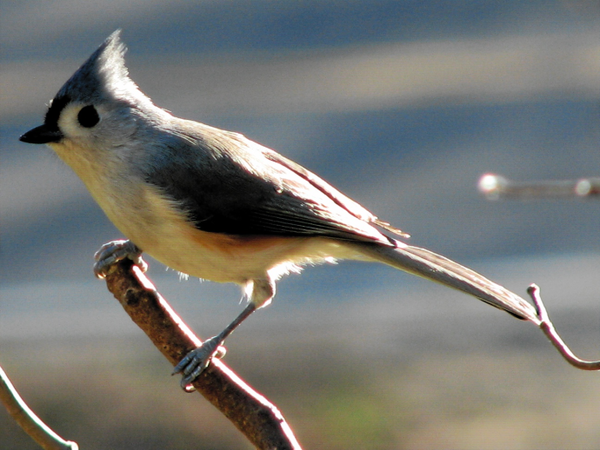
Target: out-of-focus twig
[[26, 418], [496, 187]]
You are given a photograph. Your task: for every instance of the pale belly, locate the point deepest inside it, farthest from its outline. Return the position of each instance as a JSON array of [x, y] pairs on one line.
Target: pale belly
[[222, 258]]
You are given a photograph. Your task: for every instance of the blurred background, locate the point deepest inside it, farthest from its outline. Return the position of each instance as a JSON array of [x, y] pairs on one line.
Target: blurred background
[[402, 105]]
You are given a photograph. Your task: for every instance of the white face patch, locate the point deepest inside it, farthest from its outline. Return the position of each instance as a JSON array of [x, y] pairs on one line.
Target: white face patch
[[69, 125]]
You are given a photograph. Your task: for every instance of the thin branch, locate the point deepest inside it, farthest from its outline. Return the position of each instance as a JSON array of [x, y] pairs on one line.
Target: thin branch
[[258, 419], [26, 418], [495, 187], [548, 328]]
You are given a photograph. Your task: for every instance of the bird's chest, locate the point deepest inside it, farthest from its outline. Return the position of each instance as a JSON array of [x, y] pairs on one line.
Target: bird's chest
[[161, 229]]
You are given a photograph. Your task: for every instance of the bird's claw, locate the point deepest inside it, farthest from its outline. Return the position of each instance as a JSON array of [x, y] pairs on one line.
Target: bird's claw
[[115, 251], [194, 363]]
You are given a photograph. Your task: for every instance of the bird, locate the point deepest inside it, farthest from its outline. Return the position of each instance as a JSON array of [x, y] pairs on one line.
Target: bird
[[216, 205]]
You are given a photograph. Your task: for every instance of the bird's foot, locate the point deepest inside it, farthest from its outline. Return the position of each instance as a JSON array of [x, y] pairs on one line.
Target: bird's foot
[[115, 251], [194, 363]]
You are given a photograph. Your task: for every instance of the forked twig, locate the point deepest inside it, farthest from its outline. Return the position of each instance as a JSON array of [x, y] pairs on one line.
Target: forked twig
[[548, 328]]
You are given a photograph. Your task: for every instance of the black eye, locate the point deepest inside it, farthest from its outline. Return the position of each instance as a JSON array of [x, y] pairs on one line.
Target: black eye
[[88, 116]]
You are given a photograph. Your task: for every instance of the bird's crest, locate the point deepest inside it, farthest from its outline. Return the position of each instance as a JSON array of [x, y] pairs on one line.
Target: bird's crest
[[103, 76]]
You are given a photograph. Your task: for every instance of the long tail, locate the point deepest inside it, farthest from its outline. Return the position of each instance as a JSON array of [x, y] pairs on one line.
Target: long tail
[[432, 266]]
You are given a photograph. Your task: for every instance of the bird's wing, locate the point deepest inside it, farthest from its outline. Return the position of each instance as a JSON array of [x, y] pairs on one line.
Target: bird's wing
[[238, 187]]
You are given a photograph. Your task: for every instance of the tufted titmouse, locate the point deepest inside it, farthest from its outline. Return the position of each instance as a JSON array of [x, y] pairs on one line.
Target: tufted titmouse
[[214, 204]]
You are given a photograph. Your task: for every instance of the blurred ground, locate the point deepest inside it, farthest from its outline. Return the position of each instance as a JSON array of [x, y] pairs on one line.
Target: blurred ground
[[402, 105]]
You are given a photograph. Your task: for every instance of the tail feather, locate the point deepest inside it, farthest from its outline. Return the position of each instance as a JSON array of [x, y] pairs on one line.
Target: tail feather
[[432, 266]]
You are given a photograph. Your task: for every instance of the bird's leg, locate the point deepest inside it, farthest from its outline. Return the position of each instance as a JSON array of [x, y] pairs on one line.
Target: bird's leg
[[192, 365], [115, 251]]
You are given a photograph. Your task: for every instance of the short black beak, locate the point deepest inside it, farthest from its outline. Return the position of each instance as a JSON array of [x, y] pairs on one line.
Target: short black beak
[[42, 135]]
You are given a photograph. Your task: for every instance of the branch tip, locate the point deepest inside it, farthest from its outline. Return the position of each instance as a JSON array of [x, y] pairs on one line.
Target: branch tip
[[548, 329]]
